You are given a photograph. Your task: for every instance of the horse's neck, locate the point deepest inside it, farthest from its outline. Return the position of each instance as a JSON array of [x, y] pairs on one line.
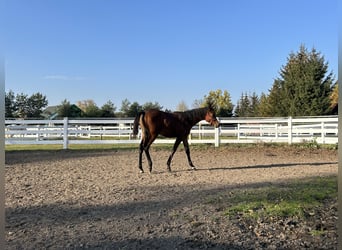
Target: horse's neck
[[197, 115]]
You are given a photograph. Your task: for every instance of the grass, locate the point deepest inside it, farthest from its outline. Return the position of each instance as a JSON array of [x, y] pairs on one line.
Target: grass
[[318, 232], [297, 198], [51, 147], [32, 147]]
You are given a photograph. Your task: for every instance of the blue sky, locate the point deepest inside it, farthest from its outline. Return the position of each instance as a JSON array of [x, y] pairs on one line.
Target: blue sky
[[159, 51]]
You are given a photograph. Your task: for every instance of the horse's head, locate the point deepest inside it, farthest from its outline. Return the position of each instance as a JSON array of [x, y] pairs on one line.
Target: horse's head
[[210, 117]]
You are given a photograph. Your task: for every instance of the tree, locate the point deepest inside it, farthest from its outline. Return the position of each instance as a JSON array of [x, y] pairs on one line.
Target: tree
[[10, 108], [83, 105], [274, 106], [334, 100], [197, 103], [254, 105], [134, 110], [242, 108], [150, 105], [221, 101], [108, 109], [263, 106], [304, 85], [36, 103], [129, 109], [92, 111], [30, 106], [125, 105], [65, 109], [182, 106], [247, 106], [89, 108], [21, 105]]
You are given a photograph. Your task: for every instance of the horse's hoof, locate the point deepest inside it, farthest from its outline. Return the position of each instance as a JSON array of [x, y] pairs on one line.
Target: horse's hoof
[[141, 171], [193, 168]]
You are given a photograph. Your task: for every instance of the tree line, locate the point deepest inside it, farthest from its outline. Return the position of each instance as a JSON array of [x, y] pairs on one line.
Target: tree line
[[24, 106], [304, 87]]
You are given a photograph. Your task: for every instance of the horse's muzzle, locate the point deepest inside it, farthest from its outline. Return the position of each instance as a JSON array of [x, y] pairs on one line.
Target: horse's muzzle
[[216, 124]]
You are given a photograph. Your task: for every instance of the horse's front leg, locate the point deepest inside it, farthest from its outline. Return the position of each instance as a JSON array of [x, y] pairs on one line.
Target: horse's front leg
[[187, 151], [175, 146]]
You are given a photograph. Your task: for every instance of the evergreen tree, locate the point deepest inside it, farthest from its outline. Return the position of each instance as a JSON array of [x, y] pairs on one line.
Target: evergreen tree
[[65, 109], [263, 106], [35, 105], [32, 106], [21, 105], [92, 110], [242, 106], [10, 104], [274, 106], [254, 105], [108, 109], [151, 105], [305, 85], [134, 110], [125, 105], [247, 106]]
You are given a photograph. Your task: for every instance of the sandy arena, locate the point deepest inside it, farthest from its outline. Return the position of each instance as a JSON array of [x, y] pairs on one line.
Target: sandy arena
[[99, 200]]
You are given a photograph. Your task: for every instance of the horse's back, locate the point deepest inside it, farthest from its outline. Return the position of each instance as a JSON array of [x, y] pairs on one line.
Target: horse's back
[[164, 123], [157, 117]]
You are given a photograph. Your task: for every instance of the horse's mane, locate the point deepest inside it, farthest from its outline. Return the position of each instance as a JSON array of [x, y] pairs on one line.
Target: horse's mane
[[193, 114]]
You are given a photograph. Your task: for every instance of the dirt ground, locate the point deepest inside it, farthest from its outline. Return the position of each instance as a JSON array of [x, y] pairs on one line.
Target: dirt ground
[[99, 200]]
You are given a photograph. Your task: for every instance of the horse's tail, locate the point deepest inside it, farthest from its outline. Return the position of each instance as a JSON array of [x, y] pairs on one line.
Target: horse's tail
[[137, 120]]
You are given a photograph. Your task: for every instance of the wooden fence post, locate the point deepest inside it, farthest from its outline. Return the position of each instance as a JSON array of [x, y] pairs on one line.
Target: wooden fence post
[[65, 133]]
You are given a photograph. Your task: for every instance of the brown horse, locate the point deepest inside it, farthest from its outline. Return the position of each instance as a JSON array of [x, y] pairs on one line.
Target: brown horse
[[178, 124]]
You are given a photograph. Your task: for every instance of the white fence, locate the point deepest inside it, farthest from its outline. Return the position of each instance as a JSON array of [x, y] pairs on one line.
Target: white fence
[[323, 130]]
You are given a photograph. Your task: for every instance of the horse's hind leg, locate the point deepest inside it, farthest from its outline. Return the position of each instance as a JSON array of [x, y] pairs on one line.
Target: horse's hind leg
[[187, 151], [147, 153], [147, 145]]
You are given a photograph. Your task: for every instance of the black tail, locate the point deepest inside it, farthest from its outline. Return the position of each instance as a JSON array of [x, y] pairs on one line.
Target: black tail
[[136, 123]]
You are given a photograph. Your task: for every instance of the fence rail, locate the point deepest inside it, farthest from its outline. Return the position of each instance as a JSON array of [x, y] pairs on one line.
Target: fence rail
[[323, 130]]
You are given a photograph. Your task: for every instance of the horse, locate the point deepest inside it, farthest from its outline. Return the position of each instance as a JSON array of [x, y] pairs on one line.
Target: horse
[[177, 125]]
